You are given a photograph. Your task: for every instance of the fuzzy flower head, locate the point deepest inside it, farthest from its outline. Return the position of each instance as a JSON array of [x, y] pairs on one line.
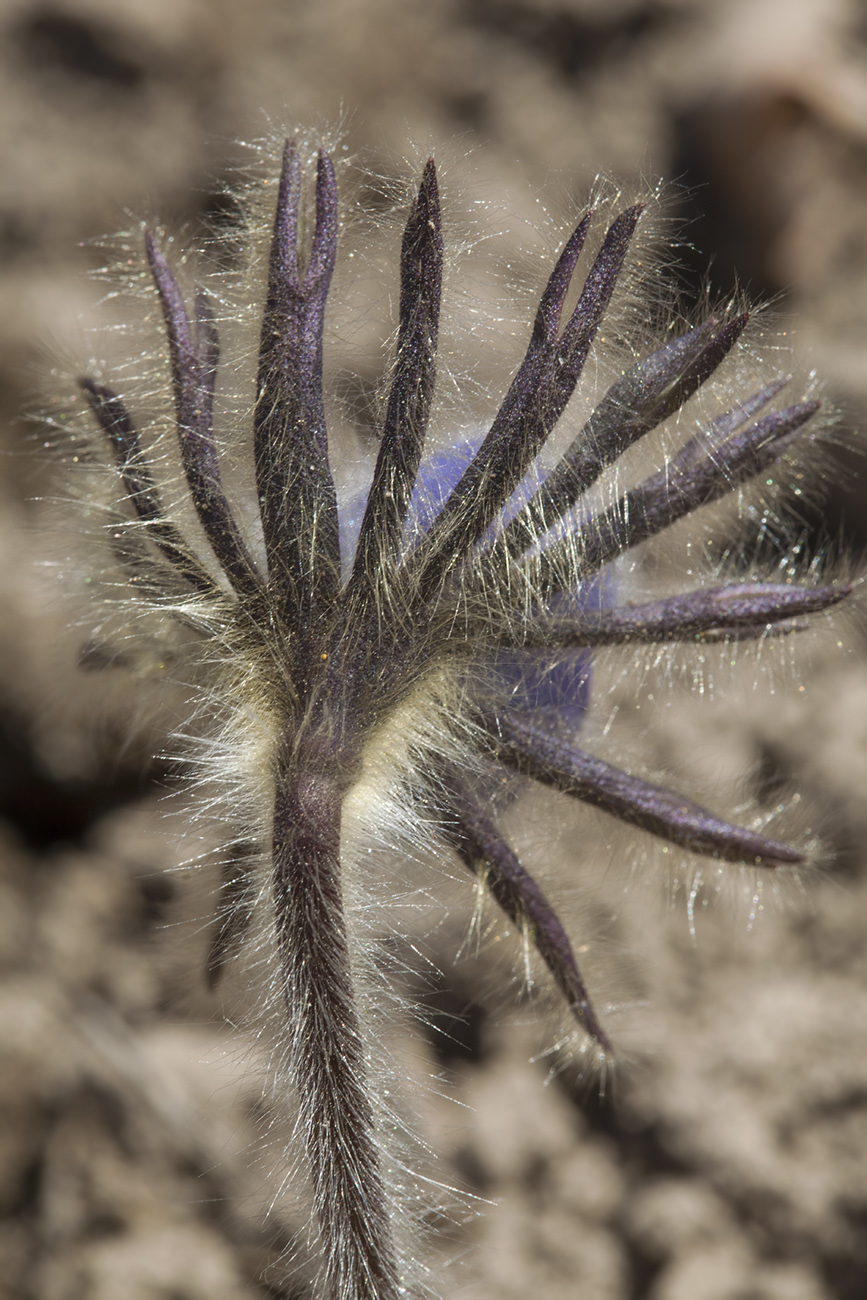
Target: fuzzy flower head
[[417, 647]]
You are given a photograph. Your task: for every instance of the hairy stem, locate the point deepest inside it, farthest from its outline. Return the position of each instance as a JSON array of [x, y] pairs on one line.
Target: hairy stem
[[326, 1056]]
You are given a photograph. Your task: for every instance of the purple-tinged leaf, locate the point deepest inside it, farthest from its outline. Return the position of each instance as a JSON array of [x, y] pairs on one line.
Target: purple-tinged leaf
[[652, 808], [683, 486], [719, 611], [648, 393], [411, 389], [534, 403], [487, 854], [114, 419], [297, 498], [193, 362]]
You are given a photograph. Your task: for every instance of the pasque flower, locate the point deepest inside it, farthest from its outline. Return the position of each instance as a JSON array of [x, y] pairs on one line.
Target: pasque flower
[[453, 645]]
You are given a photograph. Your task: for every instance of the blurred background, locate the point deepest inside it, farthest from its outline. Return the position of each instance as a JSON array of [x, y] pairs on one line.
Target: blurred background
[[729, 1159]]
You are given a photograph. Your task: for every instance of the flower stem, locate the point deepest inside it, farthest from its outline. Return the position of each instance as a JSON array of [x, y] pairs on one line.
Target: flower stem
[[326, 1056]]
